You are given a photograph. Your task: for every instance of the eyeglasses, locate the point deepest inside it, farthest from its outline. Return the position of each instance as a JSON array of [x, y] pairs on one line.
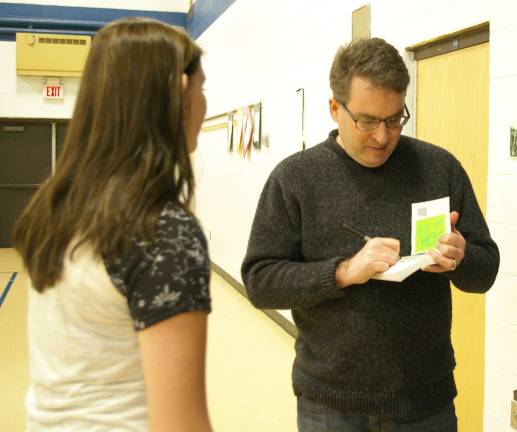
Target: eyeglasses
[[371, 123]]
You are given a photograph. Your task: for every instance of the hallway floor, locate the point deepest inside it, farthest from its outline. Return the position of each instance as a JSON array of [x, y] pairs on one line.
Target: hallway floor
[[14, 376]]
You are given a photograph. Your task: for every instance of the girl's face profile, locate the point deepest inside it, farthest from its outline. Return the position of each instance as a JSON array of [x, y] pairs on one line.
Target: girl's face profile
[[195, 107]]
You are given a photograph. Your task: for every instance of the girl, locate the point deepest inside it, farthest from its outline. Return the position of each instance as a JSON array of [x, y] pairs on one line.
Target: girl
[[118, 264]]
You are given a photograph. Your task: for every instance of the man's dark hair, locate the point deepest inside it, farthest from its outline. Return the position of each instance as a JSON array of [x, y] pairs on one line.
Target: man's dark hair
[[373, 59]]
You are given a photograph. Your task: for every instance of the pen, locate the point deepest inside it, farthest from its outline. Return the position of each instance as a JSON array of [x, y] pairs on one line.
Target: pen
[[357, 233], [360, 234]]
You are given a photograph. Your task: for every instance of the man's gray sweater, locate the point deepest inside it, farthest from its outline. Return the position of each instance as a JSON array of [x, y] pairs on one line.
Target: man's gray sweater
[[379, 348]]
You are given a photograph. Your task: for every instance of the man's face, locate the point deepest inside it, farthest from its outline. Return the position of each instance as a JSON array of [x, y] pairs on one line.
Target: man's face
[[366, 102]]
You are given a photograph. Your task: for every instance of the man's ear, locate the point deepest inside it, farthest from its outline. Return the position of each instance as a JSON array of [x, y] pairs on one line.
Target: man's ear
[[184, 81], [334, 109]]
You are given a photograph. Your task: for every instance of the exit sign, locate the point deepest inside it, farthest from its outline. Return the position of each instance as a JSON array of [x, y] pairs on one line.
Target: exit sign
[[53, 89]]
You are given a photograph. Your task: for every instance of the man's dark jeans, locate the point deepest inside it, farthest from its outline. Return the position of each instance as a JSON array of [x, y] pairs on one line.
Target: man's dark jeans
[[315, 417]]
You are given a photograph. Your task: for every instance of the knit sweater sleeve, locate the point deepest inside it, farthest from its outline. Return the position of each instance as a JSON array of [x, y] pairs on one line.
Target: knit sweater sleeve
[[274, 272], [478, 270]]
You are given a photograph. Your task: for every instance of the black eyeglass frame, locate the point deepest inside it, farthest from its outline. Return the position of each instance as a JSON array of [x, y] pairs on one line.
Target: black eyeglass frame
[[403, 119]]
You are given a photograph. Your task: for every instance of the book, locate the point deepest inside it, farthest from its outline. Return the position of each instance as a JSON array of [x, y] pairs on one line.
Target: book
[[404, 267]]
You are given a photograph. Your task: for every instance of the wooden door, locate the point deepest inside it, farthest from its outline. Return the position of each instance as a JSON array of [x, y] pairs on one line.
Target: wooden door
[[452, 111]]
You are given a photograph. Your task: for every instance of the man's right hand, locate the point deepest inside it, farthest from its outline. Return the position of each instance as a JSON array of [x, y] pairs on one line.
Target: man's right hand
[[377, 256]]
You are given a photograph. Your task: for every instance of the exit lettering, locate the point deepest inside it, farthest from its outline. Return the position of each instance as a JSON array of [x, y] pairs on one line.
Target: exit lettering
[[53, 92]]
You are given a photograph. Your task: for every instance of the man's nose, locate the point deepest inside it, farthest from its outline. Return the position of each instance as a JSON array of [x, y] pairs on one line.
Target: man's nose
[[381, 134]]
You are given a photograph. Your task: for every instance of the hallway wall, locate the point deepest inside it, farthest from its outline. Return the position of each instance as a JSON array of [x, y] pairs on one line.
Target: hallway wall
[[265, 51], [21, 96]]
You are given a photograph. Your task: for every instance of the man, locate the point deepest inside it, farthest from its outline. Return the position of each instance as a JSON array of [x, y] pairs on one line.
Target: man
[[370, 354]]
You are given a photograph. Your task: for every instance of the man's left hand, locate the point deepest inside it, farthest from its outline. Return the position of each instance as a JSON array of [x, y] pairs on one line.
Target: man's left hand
[[450, 250]]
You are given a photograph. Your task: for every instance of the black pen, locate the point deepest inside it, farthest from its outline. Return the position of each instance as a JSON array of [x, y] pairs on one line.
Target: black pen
[[365, 237], [357, 233]]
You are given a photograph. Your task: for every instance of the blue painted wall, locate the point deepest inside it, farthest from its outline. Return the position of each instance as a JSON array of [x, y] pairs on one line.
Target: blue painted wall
[[204, 13], [16, 17]]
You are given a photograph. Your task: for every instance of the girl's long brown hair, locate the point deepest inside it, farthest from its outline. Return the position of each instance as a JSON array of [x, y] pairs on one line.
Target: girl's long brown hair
[[125, 152]]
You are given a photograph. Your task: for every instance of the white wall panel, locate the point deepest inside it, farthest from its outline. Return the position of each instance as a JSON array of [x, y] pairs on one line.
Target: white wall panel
[[503, 13], [503, 42], [501, 303], [503, 109], [503, 336], [499, 386], [506, 238], [499, 161], [23, 96], [494, 424], [501, 199]]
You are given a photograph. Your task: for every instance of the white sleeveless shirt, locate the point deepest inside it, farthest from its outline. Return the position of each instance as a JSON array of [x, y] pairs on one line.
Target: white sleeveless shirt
[[85, 361]]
